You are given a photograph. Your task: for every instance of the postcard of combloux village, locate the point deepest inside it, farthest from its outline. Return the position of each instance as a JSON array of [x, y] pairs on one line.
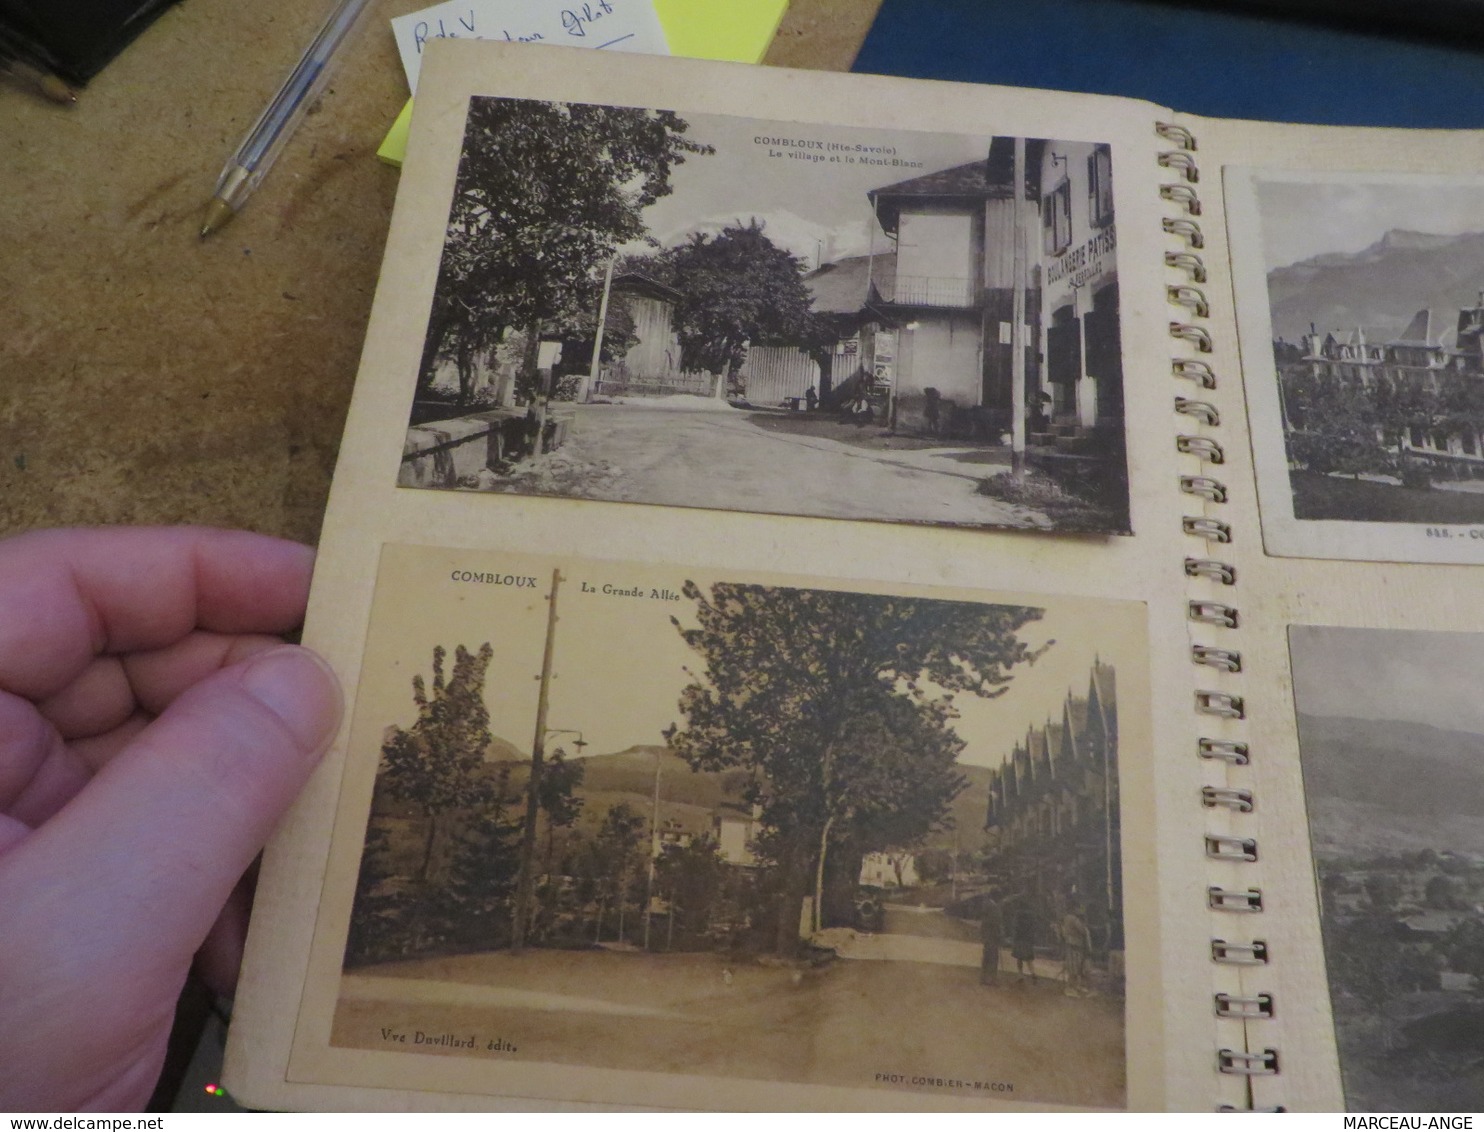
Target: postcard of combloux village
[[742, 314]]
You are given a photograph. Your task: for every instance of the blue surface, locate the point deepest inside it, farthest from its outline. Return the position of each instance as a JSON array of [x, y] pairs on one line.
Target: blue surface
[[1201, 62]]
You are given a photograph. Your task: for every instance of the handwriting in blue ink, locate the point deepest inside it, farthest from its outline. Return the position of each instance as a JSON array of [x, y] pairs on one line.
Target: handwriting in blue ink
[[424, 31], [577, 20]]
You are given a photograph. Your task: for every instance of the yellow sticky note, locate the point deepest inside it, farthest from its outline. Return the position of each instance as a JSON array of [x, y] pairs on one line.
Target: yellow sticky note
[[394, 145], [738, 31]]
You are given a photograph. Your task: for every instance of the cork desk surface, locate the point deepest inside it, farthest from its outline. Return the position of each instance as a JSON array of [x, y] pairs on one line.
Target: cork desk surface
[[148, 376]]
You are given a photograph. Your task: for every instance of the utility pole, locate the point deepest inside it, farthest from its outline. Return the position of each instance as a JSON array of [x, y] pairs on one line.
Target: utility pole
[[523, 891], [594, 369], [1017, 317], [654, 849]]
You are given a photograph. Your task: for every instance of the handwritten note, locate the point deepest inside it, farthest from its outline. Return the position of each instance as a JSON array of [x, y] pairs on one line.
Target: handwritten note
[[614, 25]]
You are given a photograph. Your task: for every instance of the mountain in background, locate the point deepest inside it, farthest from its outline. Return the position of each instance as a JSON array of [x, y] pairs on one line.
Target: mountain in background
[[690, 798], [1380, 288], [1380, 786]]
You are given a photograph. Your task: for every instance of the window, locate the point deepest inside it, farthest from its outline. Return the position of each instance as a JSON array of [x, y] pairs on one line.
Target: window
[[1100, 186], [1056, 219]]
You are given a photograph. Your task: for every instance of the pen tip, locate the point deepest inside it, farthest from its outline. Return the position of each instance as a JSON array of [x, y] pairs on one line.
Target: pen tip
[[218, 212], [58, 91]]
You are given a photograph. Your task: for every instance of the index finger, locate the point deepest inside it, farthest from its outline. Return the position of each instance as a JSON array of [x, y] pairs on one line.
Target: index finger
[[67, 596]]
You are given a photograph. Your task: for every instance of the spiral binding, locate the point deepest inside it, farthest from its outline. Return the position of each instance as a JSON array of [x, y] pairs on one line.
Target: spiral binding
[[1188, 295]]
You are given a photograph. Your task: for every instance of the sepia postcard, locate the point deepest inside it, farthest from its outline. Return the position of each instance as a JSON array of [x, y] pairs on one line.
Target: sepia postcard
[[1391, 737], [1361, 317], [645, 835], [741, 314]]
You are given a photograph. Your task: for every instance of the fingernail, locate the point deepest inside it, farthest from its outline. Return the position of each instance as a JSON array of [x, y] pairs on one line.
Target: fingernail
[[299, 688]]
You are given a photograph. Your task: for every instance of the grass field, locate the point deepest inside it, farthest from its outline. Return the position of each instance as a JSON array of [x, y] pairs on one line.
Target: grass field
[[1330, 497]]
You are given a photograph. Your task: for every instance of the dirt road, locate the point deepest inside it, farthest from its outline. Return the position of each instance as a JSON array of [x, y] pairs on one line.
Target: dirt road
[[721, 458], [921, 1026]]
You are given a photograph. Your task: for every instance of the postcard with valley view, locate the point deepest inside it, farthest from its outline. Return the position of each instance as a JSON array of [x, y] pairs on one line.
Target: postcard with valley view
[[791, 843], [1360, 302], [1391, 735], [734, 313]]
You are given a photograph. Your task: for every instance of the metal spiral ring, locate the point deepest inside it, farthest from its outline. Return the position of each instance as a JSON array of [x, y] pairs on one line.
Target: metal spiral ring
[[1230, 797], [1189, 230], [1196, 335], [1228, 660], [1181, 160], [1227, 750], [1177, 134], [1184, 196], [1192, 298], [1189, 262], [1210, 568], [1197, 371]]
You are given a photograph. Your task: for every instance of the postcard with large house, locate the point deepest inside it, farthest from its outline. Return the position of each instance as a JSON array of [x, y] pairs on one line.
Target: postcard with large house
[[733, 313], [1391, 734], [712, 840], [1361, 303]]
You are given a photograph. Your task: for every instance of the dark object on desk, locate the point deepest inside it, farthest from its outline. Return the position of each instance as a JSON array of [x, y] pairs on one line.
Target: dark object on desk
[[1199, 59], [1451, 21], [74, 38]]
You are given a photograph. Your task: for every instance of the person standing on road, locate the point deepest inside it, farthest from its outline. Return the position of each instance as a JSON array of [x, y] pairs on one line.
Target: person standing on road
[[1023, 937], [991, 934], [1076, 942]]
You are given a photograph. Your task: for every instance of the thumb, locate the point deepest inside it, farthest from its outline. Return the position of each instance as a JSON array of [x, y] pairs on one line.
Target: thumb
[[140, 862]]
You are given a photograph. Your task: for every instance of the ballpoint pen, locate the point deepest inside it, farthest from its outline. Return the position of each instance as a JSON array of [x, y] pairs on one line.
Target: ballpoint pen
[[255, 156], [28, 74], [26, 66]]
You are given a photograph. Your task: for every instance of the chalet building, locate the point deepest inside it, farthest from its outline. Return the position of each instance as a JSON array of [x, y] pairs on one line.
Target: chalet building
[[735, 825], [651, 305], [1054, 812], [889, 870], [864, 350], [1426, 357], [952, 278]]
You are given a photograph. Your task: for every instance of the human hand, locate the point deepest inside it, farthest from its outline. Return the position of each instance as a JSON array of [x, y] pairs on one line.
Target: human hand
[[152, 732]]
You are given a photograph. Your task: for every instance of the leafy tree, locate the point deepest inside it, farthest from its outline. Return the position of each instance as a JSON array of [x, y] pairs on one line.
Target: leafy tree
[[1442, 892], [1368, 959], [437, 763], [437, 767], [692, 877], [895, 778], [484, 868], [579, 331], [736, 287], [1383, 893], [836, 700], [1404, 403], [544, 194], [557, 797], [1333, 427], [934, 865], [612, 861], [1463, 947]]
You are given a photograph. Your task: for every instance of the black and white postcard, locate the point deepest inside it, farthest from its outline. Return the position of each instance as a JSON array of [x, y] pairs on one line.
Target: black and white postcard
[[1361, 312], [670, 837], [1391, 737], [741, 314]]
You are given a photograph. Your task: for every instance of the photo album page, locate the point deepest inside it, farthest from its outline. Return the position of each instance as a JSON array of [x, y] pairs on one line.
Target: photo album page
[[868, 594]]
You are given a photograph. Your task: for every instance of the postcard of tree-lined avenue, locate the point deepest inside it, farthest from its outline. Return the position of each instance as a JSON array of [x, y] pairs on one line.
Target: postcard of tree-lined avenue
[[741, 314], [1361, 298], [635, 830]]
